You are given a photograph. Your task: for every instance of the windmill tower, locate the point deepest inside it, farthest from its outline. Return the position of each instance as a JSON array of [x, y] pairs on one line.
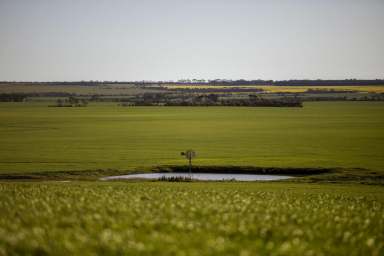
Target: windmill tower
[[189, 154]]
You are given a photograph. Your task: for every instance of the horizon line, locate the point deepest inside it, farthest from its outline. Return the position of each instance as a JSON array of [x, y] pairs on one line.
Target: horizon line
[[186, 80]]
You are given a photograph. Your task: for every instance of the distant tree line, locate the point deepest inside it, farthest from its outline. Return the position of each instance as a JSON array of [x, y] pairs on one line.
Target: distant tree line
[[19, 97], [156, 99], [70, 102], [307, 82], [326, 91], [214, 90], [12, 97]]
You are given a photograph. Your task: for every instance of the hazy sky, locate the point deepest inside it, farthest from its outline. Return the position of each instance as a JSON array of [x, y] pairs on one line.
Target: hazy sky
[[165, 39]]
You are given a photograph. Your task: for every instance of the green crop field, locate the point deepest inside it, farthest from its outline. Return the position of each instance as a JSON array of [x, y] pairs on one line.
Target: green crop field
[[69, 217], [34, 137], [154, 218]]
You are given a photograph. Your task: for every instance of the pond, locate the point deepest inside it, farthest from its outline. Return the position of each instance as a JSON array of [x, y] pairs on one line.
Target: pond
[[201, 176]]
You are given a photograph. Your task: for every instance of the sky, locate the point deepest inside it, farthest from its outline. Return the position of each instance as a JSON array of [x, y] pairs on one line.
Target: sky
[[132, 40]]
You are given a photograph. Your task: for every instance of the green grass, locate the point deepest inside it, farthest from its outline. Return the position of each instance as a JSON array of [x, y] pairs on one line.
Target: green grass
[[36, 138], [154, 218], [191, 218]]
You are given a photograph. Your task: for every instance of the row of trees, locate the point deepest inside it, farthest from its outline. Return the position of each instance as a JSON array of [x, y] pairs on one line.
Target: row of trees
[[210, 100], [306, 82], [12, 97], [71, 102]]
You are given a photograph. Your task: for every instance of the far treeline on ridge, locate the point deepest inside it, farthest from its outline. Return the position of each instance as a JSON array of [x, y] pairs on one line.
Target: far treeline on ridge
[[318, 82], [195, 92]]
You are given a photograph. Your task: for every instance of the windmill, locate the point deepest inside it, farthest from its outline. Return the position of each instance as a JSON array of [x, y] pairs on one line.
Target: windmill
[[189, 154]]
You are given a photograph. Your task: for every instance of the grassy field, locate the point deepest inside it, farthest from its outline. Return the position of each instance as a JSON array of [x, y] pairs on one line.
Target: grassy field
[[296, 217], [154, 218], [34, 137]]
